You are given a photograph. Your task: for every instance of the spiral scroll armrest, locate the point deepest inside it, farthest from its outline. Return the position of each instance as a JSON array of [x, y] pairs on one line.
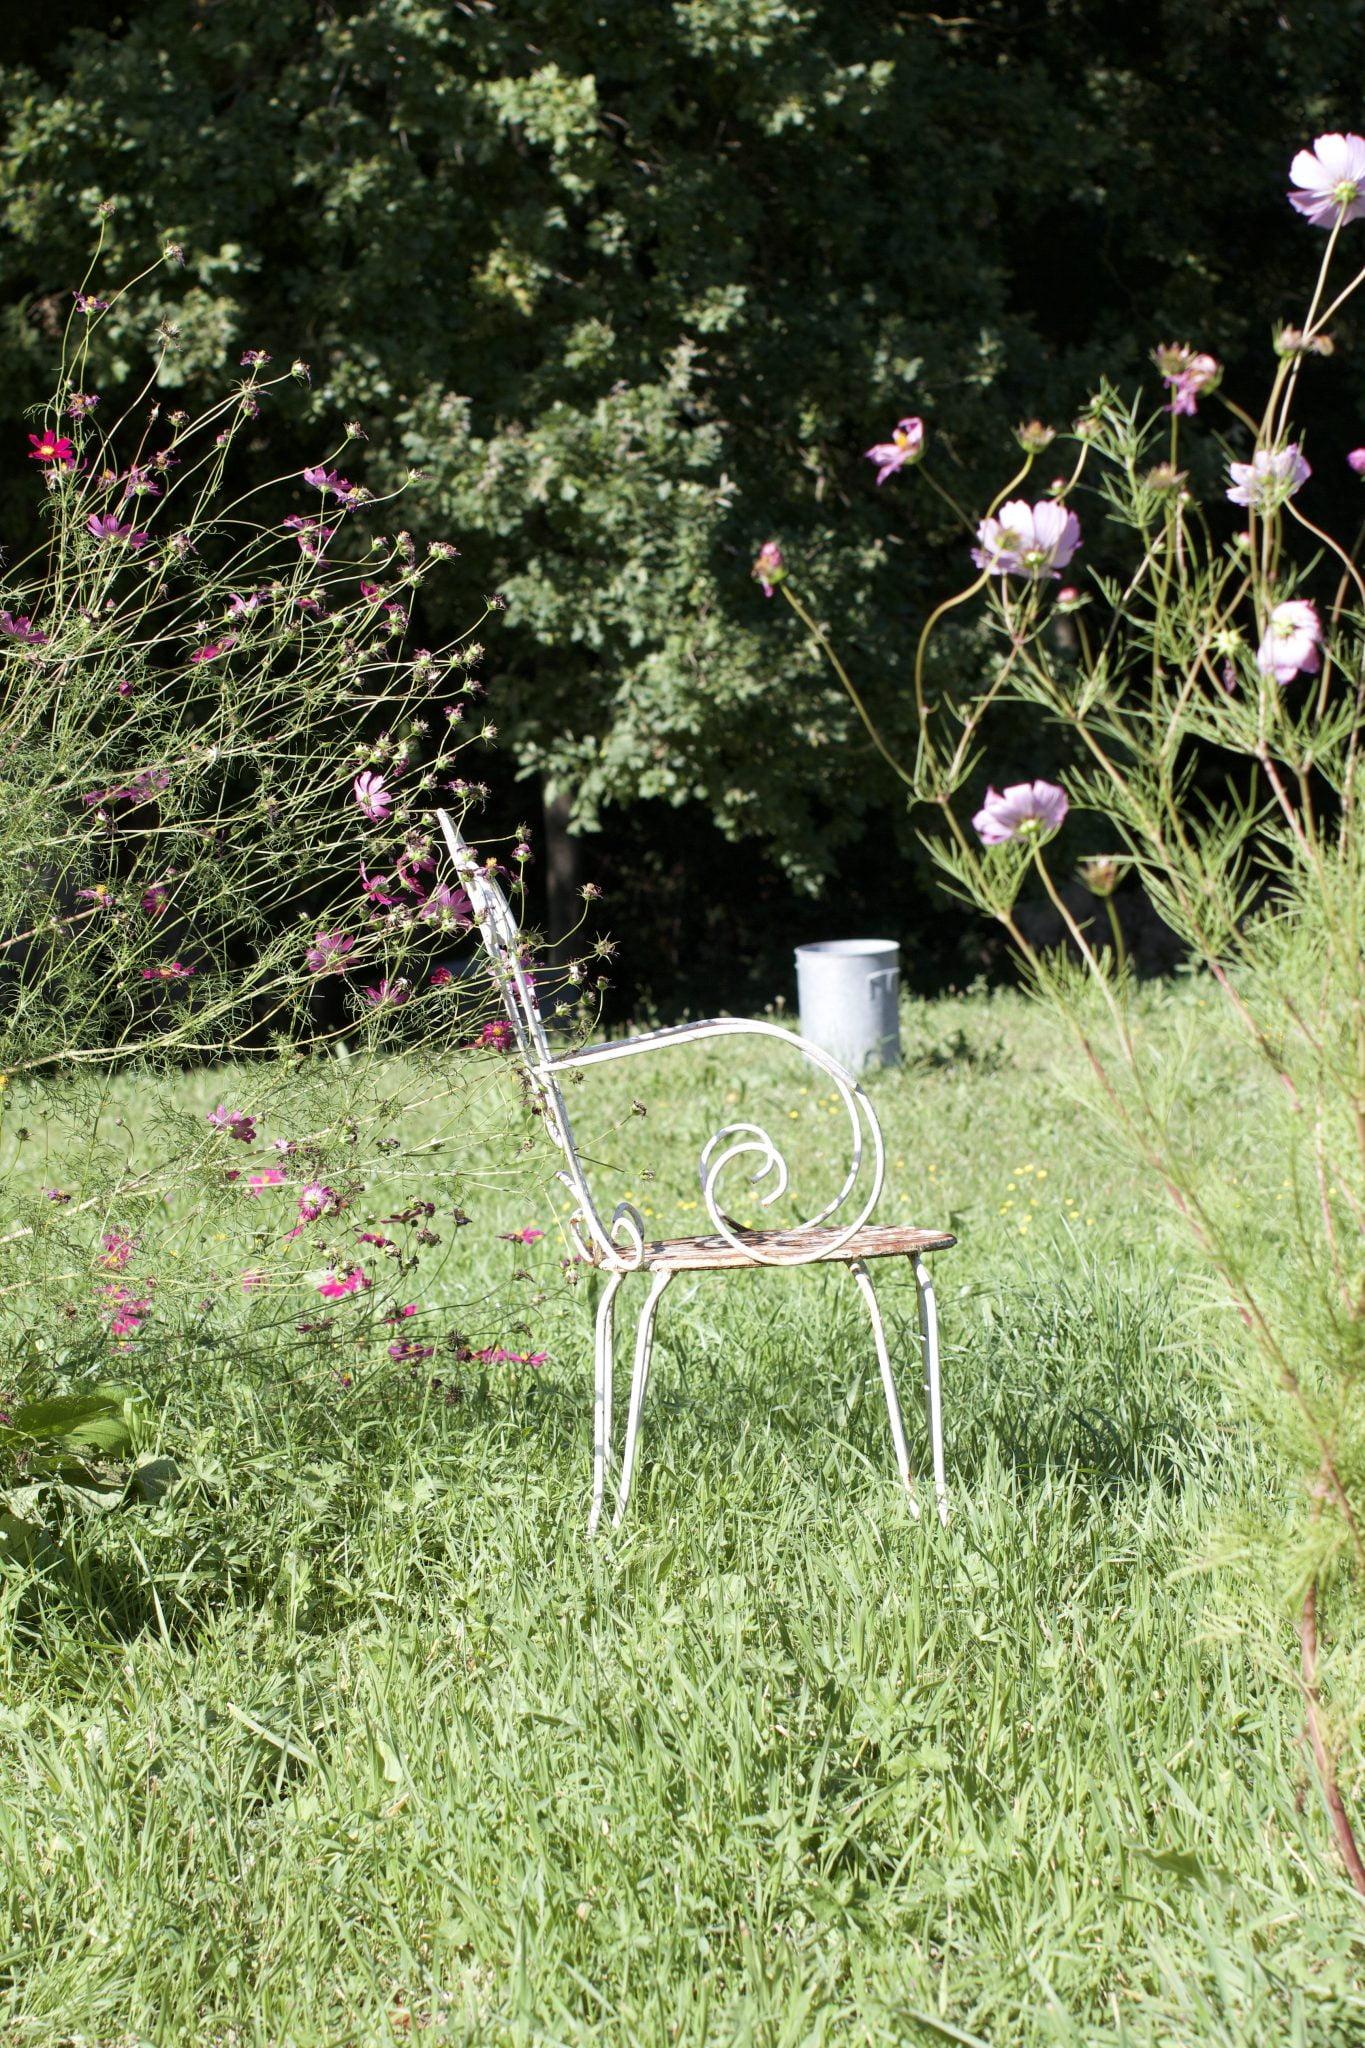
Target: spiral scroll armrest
[[752, 1143]]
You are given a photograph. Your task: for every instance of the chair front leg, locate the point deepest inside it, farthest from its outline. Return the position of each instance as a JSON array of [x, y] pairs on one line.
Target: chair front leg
[[603, 1339], [933, 1388], [893, 1407], [644, 1346]]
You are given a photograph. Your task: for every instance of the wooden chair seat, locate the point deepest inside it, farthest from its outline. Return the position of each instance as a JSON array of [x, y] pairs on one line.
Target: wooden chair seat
[[791, 1247]]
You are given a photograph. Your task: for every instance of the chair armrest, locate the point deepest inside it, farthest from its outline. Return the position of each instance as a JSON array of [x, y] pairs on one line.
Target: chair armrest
[[735, 1141]]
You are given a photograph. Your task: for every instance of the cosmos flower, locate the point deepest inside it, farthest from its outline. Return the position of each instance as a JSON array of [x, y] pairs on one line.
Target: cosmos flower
[[1271, 476], [1027, 540], [328, 952], [1026, 809], [52, 449], [1331, 180], [769, 567], [372, 795], [1289, 646], [905, 446]]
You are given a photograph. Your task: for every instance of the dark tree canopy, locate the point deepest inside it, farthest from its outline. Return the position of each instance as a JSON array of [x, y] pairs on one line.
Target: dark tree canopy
[[637, 284]]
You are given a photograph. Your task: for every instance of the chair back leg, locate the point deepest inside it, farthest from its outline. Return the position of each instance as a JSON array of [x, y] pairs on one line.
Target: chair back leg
[[893, 1407], [644, 1346], [601, 1413], [933, 1390]]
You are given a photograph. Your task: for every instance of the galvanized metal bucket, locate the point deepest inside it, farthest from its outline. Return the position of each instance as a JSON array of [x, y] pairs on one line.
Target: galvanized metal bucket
[[848, 992]]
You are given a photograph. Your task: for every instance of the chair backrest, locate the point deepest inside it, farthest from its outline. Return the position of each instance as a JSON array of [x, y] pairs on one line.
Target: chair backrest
[[497, 926]]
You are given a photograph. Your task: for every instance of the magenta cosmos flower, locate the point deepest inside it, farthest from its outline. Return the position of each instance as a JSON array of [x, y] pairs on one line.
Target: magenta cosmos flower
[[1289, 646], [1027, 540], [48, 447], [374, 799], [1271, 476], [905, 446], [169, 970], [1354, 461], [336, 1285], [21, 629], [328, 952], [1331, 180], [1025, 810], [238, 1123]]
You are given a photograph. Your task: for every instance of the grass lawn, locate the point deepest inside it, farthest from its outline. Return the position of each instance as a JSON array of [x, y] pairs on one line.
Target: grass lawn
[[355, 1738]]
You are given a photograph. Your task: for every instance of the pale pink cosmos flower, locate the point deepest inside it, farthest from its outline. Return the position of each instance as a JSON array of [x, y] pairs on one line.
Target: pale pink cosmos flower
[[268, 1177], [1026, 809], [252, 1279], [1188, 375], [1027, 540], [328, 952], [1271, 476], [905, 446], [1331, 180], [1354, 461], [769, 567], [372, 795], [1289, 646]]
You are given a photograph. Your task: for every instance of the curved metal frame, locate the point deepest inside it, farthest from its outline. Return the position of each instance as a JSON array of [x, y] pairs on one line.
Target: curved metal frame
[[617, 1245]]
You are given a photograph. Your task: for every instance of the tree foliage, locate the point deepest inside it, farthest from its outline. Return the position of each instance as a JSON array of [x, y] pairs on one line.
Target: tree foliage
[[637, 285]]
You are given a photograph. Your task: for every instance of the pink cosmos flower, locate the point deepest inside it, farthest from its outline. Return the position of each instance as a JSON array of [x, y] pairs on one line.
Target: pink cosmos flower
[[498, 1034], [87, 303], [81, 404], [1187, 374], [1355, 460], [388, 995], [444, 902], [1291, 641], [374, 1237], [252, 1279], [155, 899], [255, 358], [116, 1250], [169, 970], [528, 1236], [325, 480], [55, 1195], [127, 1310], [398, 1313], [1027, 540], [372, 795], [108, 526], [53, 449], [1271, 476], [327, 952], [406, 1353], [214, 648], [769, 567], [268, 1177], [1331, 180], [440, 977], [236, 1122], [377, 888], [336, 1285], [23, 629], [905, 446], [1026, 809], [371, 592], [102, 896], [243, 607], [495, 1355], [316, 1200]]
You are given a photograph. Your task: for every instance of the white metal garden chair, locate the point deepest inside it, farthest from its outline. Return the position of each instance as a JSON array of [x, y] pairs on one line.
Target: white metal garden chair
[[621, 1246]]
